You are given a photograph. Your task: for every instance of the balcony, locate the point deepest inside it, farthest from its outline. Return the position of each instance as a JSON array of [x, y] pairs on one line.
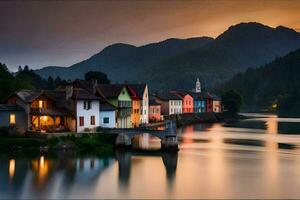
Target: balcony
[[124, 104], [40, 111], [47, 111]]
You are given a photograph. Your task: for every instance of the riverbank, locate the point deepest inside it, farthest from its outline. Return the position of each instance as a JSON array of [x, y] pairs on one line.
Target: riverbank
[[195, 118], [86, 143]]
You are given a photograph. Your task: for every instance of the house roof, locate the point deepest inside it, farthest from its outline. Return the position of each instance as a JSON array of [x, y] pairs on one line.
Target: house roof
[[198, 96], [10, 107], [29, 95], [138, 88], [152, 102], [110, 90], [166, 95], [82, 94], [214, 97], [105, 106]]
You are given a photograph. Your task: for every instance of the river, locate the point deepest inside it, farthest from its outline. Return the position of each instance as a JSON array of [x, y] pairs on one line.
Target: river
[[254, 158]]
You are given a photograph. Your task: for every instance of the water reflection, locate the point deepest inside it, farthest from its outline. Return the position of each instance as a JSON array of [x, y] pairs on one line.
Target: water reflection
[[126, 157], [12, 168], [214, 161]]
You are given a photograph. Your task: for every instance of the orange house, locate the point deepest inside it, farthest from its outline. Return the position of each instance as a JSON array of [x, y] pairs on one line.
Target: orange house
[[187, 101], [136, 106]]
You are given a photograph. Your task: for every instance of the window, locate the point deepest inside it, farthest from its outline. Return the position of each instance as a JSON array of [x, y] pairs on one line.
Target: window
[[81, 121], [41, 104], [87, 105], [106, 120], [92, 120], [12, 119]]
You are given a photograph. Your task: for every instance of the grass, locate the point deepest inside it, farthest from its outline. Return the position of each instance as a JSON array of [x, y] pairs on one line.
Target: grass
[[93, 142]]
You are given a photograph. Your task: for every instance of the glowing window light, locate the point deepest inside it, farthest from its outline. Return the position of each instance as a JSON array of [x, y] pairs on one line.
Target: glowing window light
[[12, 168], [12, 119], [40, 104]]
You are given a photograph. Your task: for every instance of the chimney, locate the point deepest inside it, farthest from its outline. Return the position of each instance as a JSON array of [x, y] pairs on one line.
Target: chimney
[[94, 85], [69, 91]]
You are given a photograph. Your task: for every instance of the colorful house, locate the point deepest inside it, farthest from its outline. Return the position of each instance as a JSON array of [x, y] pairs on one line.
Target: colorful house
[[187, 101], [118, 96], [217, 103], [70, 109], [142, 92], [199, 102], [170, 103], [107, 115], [209, 102], [136, 106], [154, 111]]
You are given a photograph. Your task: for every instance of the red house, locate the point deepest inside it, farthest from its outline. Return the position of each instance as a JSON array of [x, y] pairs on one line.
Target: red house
[[187, 101], [209, 103]]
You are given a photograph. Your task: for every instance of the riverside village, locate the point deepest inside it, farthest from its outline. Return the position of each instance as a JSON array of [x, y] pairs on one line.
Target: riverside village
[[87, 107]]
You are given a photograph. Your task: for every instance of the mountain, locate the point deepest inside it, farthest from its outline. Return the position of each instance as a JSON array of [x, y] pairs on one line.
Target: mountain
[[126, 62], [176, 63], [266, 85], [241, 46]]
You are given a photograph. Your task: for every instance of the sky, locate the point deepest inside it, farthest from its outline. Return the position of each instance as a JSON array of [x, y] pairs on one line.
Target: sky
[[61, 33]]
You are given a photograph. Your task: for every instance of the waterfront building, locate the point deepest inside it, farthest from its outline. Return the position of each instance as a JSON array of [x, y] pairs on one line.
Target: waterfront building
[[154, 111], [68, 109], [13, 117], [118, 96], [170, 103], [187, 101], [140, 103], [107, 115]]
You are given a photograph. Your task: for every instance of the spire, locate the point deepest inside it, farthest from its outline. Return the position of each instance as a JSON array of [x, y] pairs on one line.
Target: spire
[[198, 86]]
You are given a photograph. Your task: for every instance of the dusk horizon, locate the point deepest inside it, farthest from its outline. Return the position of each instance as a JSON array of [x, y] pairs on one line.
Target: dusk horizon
[[53, 34], [150, 99]]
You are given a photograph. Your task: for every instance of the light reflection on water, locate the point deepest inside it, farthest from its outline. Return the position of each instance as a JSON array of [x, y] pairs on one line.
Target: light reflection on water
[[251, 159]]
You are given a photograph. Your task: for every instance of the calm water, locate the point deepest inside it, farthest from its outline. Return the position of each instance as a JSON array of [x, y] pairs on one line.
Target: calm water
[[256, 158]]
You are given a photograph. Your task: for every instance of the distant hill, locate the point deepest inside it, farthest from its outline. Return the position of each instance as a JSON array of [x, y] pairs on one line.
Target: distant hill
[[126, 62], [175, 63], [261, 87]]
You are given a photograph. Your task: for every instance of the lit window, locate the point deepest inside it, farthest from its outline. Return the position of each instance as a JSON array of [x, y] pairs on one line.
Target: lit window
[[12, 119], [41, 104]]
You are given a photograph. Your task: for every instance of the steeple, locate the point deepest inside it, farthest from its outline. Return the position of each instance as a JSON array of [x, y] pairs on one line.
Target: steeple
[[198, 86]]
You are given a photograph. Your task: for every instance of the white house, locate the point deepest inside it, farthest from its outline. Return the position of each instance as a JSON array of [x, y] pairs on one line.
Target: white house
[[145, 106], [170, 103], [107, 115], [87, 110]]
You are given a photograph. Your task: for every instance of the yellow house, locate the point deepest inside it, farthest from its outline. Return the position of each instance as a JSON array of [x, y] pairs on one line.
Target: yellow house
[[136, 106]]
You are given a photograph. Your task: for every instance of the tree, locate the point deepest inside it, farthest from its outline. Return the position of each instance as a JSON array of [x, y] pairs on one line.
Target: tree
[[98, 76], [232, 102]]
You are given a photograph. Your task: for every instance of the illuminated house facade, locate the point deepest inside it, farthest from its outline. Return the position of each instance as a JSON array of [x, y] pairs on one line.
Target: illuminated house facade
[[71, 109], [13, 116], [136, 106]]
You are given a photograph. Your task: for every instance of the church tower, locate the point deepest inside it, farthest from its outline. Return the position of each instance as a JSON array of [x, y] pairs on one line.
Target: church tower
[[198, 86]]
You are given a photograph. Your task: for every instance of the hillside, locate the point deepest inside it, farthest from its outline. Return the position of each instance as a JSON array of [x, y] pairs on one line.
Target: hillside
[[118, 60], [261, 87], [241, 46], [176, 63]]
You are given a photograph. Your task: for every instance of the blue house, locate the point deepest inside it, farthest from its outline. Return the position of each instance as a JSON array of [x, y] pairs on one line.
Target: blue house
[[199, 102]]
